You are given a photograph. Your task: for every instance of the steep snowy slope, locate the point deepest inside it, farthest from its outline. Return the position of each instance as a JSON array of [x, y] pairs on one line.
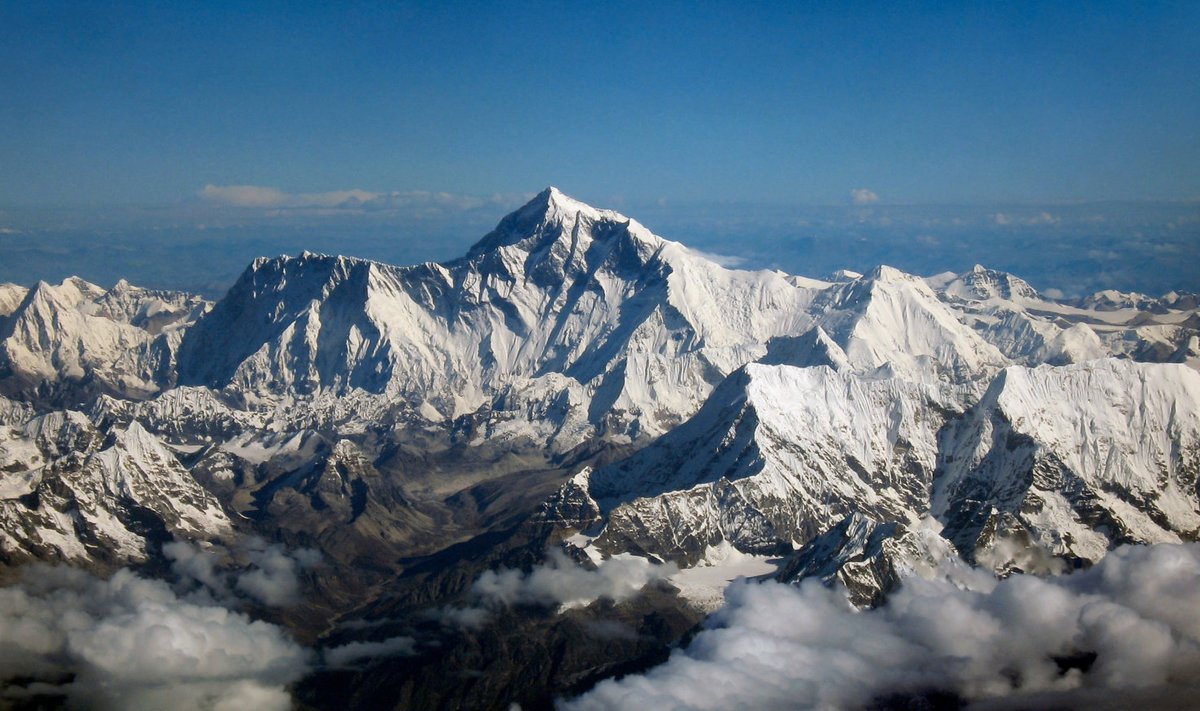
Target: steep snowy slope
[[777, 455], [1053, 463], [78, 335], [870, 558], [895, 320], [11, 296], [1074, 460], [1031, 329], [644, 326], [983, 284], [68, 494]]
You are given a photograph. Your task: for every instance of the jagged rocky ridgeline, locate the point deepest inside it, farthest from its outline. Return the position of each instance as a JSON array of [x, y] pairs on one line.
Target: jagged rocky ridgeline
[[381, 411]]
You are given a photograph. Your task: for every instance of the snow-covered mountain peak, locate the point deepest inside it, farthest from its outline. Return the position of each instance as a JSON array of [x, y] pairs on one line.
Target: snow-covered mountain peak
[[776, 455], [885, 274], [152, 310], [1078, 457], [66, 295], [11, 296], [843, 275], [76, 335], [297, 280], [811, 348], [889, 317], [553, 218], [554, 202], [558, 201], [983, 284]]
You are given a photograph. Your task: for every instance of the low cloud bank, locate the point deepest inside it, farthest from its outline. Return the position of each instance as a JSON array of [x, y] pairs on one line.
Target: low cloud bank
[[132, 643], [560, 582], [1124, 632]]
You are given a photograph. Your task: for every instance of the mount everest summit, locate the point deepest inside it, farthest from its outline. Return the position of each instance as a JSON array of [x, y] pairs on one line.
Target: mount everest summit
[[577, 383]]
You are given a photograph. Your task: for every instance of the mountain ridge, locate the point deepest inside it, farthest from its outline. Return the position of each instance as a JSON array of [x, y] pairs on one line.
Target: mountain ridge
[[576, 384]]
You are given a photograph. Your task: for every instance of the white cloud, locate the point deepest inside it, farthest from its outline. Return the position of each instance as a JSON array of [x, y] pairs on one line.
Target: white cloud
[[190, 562], [775, 646], [273, 578], [131, 643], [564, 582], [244, 195], [423, 202], [466, 618], [347, 654], [261, 196], [560, 582], [1039, 219], [270, 574], [863, 196]]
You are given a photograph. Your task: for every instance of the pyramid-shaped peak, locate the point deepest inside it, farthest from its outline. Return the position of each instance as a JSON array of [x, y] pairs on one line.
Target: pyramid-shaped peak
[[72, 292], [843, 275], [984, 283], [552, 215], [884, 273], [138, 437], [553, 202]]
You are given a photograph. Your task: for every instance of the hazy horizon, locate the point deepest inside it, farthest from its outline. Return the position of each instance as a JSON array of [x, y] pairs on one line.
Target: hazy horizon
[[203, 245], [171, 143]]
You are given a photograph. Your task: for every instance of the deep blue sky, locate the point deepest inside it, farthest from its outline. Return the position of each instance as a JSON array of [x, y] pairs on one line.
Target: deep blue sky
[[793, 103], [170, 143]]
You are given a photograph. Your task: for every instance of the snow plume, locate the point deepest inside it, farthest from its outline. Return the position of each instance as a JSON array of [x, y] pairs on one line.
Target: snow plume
[[1121, 634], [560, 582], [728, 261], [269, 573], [132, 643]]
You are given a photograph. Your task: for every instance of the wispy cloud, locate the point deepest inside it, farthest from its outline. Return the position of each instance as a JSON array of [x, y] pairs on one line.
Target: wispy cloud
[[348, 654], [264, 197], [1039, 219]]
